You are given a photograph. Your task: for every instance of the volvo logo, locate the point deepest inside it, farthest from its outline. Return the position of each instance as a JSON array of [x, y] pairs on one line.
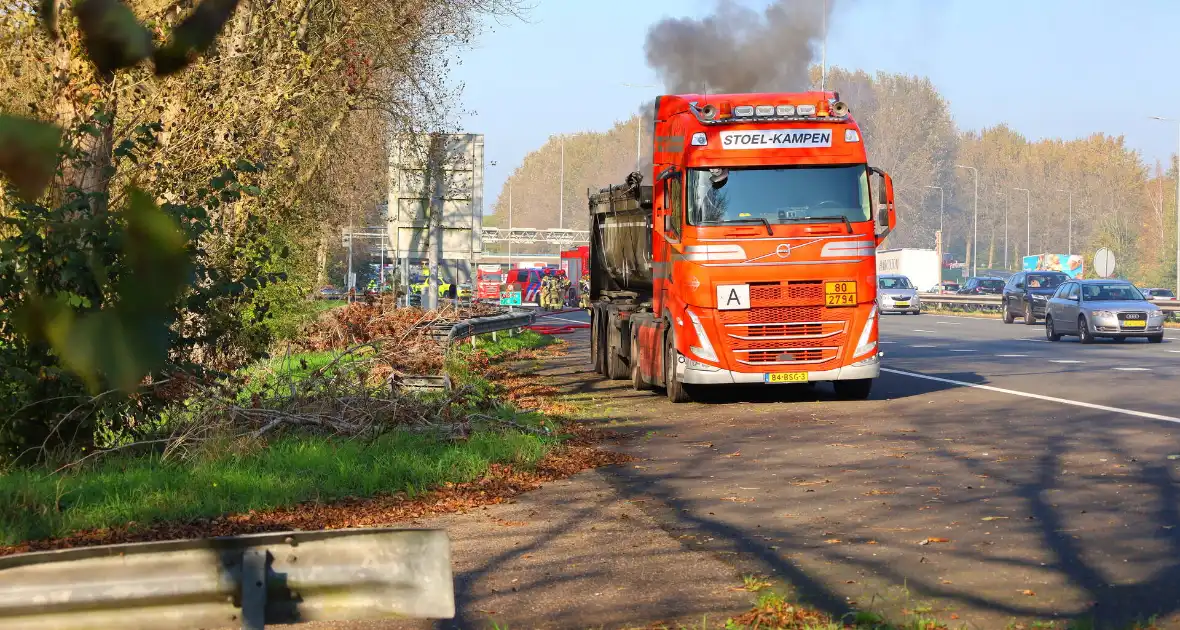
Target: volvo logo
[[783, 250]]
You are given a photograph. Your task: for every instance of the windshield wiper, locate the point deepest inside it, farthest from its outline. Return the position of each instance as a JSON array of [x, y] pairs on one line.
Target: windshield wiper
[[841, 218], [762, 220]]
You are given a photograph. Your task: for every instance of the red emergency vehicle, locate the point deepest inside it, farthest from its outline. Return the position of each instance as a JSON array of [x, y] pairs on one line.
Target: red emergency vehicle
[[487, 282]]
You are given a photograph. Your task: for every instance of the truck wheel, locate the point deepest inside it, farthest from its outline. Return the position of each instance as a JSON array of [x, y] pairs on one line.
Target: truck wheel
[[857, 389], [616, 368], [637, 382], [675, 389]]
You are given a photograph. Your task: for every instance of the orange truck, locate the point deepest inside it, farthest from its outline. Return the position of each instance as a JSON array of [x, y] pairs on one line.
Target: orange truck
[[750, 258]]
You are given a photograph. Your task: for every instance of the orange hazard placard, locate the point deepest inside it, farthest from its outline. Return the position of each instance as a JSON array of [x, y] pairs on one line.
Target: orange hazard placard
[[840, 293]]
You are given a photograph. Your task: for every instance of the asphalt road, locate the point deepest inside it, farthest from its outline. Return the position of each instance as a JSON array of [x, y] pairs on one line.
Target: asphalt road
[[1042, 477]]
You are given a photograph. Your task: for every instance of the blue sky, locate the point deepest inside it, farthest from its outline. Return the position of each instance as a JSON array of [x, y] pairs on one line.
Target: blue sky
[[1049, 68]]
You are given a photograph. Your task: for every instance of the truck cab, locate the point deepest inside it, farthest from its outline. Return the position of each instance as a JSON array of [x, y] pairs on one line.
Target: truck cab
[[761, 249]]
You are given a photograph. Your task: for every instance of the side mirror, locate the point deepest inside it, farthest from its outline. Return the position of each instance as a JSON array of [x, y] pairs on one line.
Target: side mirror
[[1019, 285], [666, 173], [886, 210]]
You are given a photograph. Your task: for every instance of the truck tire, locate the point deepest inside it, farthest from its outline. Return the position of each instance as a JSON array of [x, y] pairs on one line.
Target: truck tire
[[616, 367], [677, 393], [857, 389], [637, 382]]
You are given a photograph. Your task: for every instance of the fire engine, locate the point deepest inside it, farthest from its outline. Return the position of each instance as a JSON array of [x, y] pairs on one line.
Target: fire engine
[[751, 255], [487, 282]]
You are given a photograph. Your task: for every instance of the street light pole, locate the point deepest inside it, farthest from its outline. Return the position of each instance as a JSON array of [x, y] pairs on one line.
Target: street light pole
[[1177, 197], [1028, 228], [561, 195], [638, 129], [974, 223], [1007, 207], [1070, 239], [509, 227]]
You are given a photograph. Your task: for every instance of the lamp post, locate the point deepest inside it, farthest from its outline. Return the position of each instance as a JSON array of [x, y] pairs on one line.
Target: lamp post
[[1070, 238], [1007, 207], [974, 223], [561, 194], [1177, 197], [1028, 227], [639, 127]]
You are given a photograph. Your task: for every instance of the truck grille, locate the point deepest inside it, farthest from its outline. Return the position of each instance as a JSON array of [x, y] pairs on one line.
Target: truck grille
[[786, 335], [798, 293], [797, 356]]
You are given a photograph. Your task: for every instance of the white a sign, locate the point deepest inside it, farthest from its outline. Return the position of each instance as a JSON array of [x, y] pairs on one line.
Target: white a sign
[[777, 139], [733, 297]]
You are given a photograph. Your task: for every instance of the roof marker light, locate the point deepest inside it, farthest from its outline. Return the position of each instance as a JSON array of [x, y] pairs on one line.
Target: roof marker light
[[786, 110], [805, 110], [765, 110], [743, 110], [699, 139]]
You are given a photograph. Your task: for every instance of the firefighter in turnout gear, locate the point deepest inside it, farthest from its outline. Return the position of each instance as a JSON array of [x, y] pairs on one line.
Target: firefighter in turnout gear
[[549, 297], [563, 289]]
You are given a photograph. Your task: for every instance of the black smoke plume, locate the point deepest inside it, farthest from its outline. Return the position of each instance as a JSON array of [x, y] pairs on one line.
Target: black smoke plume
[[738, 49]]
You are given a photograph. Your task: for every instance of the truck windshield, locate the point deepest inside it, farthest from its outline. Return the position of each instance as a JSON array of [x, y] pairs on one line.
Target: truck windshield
[[777, 195]]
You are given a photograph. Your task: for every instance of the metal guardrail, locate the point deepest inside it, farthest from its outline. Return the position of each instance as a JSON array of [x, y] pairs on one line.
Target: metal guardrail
[[495, 323], [249, 580], [994, 301]]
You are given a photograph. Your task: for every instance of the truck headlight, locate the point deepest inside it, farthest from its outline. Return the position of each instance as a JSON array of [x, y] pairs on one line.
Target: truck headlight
[[704, 349], [863, 345]]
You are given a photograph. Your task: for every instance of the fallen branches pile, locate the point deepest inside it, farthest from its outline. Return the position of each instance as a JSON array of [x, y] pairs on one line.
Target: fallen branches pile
[[407, 343]]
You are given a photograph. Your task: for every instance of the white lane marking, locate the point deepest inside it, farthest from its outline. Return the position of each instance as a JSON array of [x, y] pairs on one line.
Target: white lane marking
[[923, 346], [1012, 356], [927, 331], [1013, 392], [949, 323], [884, 343], [1133, 369], [1036, 340], [1068, 361], [962, 350]]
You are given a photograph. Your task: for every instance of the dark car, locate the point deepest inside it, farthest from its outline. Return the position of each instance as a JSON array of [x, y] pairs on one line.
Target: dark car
[[1027, 293], [982, 286]]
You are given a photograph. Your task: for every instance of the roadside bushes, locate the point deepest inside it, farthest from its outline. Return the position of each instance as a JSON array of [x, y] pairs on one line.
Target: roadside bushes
[[65, 268]]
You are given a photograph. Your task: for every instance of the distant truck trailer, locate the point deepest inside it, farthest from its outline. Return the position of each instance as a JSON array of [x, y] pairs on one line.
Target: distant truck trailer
[[921, 266]]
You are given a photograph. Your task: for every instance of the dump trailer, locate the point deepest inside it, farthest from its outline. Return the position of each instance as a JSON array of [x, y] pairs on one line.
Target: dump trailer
[[747, 254]]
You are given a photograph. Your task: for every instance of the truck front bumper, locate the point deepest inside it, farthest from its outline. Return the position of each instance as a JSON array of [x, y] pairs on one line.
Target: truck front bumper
[[868, 368]]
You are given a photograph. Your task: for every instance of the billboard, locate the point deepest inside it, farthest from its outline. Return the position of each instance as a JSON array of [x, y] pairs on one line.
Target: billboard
[[438, 175], [1073, 266]]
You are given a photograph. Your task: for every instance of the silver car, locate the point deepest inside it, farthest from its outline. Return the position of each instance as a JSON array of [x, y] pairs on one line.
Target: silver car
[[1102, 308], [896, 294]]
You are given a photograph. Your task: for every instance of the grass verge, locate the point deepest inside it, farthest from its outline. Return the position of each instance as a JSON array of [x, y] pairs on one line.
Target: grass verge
[[131, 492]]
